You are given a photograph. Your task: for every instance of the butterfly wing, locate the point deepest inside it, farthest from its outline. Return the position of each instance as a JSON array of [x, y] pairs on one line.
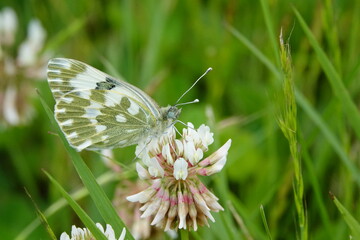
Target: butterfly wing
[[97, 111]]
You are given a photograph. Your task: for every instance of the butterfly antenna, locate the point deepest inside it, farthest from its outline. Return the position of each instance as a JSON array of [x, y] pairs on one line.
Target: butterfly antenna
[[208, 70], [185, 103]]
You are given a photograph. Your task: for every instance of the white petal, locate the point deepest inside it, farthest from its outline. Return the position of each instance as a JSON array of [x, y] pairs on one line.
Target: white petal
[[76, 231], [217, 156], [189, 151], [99, 226], [152, 208], [182, 210], [155, 168], [180, 169], [122, 236], [205, 135], [167, 154], [142, 172], [217, 167], [198, 155], [145, 195], [64, 236], [179, 147], [141, 197], [109, 232]]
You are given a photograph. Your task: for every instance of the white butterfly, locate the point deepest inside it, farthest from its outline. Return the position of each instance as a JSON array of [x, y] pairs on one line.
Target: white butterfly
[[96, 111]]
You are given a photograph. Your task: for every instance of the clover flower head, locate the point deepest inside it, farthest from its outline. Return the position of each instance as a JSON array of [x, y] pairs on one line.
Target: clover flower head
[[177, 198], [85, 234]]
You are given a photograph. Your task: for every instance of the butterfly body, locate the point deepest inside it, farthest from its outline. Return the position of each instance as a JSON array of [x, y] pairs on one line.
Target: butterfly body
[[96, 111]]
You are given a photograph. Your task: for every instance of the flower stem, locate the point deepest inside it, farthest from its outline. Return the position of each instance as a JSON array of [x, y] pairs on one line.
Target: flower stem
[[184, 234]]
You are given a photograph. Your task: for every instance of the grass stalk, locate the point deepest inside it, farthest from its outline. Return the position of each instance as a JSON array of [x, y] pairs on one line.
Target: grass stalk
[[288, 125]]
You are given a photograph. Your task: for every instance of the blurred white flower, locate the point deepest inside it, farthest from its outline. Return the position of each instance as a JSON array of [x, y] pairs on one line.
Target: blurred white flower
[[8, 26], [85, 234], [17, 69], [31, 47], [177, 198]]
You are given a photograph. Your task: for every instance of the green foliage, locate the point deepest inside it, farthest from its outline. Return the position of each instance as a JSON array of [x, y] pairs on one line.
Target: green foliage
[[162, 47]]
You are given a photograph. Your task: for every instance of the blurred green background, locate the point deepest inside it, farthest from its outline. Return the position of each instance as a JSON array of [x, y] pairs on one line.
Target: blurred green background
[[163, 47]]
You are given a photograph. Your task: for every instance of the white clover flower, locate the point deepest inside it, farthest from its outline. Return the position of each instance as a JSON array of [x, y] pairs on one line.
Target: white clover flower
[[85, 234], [18, 67], [177, 198]]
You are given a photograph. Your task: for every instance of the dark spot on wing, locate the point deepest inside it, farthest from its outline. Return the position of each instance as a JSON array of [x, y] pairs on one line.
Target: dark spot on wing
[[104, 86], [112, 81]]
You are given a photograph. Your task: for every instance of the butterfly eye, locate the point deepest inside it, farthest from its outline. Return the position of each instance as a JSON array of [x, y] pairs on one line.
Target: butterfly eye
[[173, 113]]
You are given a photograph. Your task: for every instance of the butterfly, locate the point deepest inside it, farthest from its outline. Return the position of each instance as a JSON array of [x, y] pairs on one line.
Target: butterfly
[[97, 111]]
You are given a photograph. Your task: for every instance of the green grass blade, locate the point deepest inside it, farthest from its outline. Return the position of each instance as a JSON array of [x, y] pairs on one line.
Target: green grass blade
[[270, 29], [349, 219], [42, 218], [263, 217], [334, 78], [97, 194], [79, 211]]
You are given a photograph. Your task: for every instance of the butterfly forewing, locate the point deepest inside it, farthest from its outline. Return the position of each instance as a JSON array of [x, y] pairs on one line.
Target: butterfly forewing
[[97, 111]]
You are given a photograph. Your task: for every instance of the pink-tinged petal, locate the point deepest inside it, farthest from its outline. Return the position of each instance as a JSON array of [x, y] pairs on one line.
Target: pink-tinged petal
[[163, 208], [211, 202], [180, 169], [193, 212], [145, 195], [152, 208], [215, 168], [216, 156], [172, 213], [200, 203], [171, 216], [182, 210], [142, 172]]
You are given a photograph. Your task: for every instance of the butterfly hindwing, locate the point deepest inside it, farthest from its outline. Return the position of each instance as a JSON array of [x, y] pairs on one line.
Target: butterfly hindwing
[[97, 111]]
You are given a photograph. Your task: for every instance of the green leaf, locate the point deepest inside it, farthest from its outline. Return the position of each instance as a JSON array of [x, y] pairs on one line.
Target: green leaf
[[349, 219]]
